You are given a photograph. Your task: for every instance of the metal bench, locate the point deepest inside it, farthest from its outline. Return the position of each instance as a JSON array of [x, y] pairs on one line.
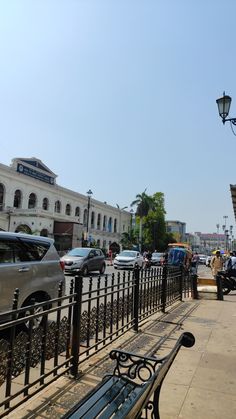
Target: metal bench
[[135, 385]]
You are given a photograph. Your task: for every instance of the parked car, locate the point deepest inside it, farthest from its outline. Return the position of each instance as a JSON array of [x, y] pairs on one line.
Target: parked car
[[128, 259], [157, 258], [202, 259], [84, 259], [30, 263]]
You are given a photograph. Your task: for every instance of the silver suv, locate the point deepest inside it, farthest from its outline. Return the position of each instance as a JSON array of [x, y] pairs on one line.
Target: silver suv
[[30, 263]]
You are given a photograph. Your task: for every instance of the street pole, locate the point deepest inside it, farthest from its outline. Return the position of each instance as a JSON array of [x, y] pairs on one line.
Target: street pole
[[89, 193], [9, 221], [217, 226], [226, 240]]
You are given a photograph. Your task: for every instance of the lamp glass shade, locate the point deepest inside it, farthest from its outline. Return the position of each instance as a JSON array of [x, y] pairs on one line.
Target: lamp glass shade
[[223, 104], [89, 193]]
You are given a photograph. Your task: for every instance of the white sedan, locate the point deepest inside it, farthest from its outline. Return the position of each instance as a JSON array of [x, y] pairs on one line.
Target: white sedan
[[128, 259]]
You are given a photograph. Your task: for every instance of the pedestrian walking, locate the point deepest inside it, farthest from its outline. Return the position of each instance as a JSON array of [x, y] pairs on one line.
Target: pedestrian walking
[[194, 263], [217, 263]]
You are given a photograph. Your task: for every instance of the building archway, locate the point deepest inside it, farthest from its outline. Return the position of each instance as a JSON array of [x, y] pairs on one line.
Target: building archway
[[23, 228], [114, 247], [44, 232]]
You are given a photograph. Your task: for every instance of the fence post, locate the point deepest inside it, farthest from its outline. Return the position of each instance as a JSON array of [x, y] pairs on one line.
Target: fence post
[[194, 282], [10, 359], [136, 297], [164, 288], [219, 288], [76, 324], [181, 282]]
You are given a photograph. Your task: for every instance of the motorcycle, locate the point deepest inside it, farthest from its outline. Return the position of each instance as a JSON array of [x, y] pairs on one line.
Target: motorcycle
[[228, 282], [147, 263]]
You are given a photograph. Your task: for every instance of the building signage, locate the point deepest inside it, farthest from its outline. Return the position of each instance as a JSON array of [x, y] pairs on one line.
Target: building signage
[[35, 174]]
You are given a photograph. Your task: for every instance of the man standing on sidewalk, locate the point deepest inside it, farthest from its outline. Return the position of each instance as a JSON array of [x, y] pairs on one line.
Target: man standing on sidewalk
[[216, 263]]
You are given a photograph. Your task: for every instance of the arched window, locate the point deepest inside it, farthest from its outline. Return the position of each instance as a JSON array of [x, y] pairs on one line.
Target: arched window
[[104, 226], [85, 218], [99, 222], [68, 209], [92, 219], [110, 224], [32, 200], [23, 228], [115, 225], [45, 204], [77, 211], [44, 232], [17, 199], [57, 207]]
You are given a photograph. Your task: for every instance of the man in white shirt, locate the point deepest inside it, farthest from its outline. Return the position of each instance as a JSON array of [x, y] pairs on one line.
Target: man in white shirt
[[231, 264]]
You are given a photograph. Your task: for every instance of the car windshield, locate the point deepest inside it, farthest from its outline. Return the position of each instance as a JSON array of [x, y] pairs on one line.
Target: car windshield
[[80, 252], [128, 253], [156, 255]]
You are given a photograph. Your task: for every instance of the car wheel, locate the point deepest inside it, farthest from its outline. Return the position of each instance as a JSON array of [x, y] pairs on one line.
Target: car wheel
[[85, 270], [39, 310], [102, 269]]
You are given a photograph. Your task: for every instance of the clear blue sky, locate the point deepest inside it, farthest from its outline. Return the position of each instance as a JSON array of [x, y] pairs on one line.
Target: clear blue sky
[[119, 95]]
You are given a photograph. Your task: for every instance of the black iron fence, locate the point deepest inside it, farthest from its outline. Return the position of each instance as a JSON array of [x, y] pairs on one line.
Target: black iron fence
[[41, 342]]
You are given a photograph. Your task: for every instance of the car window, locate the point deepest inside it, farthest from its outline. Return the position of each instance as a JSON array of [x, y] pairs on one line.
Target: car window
[[6, 253], [77, 251], [13, 251], [31, 250], [128, 253], [92, 253], [97, 252]]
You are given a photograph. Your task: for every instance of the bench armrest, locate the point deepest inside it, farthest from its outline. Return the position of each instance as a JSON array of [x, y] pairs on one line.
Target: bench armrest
[[141, 368]]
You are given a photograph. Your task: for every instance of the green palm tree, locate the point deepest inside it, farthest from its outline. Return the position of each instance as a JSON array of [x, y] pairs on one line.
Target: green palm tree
[[144, 204]]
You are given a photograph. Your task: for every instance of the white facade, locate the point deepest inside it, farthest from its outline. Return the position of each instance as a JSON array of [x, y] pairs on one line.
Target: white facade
[[30, 197]]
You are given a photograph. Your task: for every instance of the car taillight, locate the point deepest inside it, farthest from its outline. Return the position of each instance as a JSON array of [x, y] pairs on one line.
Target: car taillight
[[62, 265]]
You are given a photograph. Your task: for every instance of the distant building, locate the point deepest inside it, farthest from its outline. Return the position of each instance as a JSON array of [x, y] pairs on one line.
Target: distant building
[[32, 201], [194, 241], [210, 241], [177, 228]]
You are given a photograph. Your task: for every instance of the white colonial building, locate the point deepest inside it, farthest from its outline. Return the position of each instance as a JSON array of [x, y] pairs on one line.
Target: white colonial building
[[32, 201]]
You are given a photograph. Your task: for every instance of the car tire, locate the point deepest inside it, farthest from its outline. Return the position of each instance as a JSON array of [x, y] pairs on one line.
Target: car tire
[[37, 321], [85, 270], [102, 269]]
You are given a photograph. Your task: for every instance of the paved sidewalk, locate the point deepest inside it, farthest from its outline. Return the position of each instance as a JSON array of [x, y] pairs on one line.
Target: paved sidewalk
[[201, 382]]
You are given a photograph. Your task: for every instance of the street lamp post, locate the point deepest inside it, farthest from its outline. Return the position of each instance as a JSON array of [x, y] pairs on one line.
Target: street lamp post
[[225, 218], [226, 239], [217, 226], [223, 104], [89, 193]]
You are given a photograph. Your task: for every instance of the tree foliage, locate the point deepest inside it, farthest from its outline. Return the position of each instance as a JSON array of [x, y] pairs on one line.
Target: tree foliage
[[150, 215]]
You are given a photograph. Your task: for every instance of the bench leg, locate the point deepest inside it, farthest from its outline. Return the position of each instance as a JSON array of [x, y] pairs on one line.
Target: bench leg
[[152, 406]]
